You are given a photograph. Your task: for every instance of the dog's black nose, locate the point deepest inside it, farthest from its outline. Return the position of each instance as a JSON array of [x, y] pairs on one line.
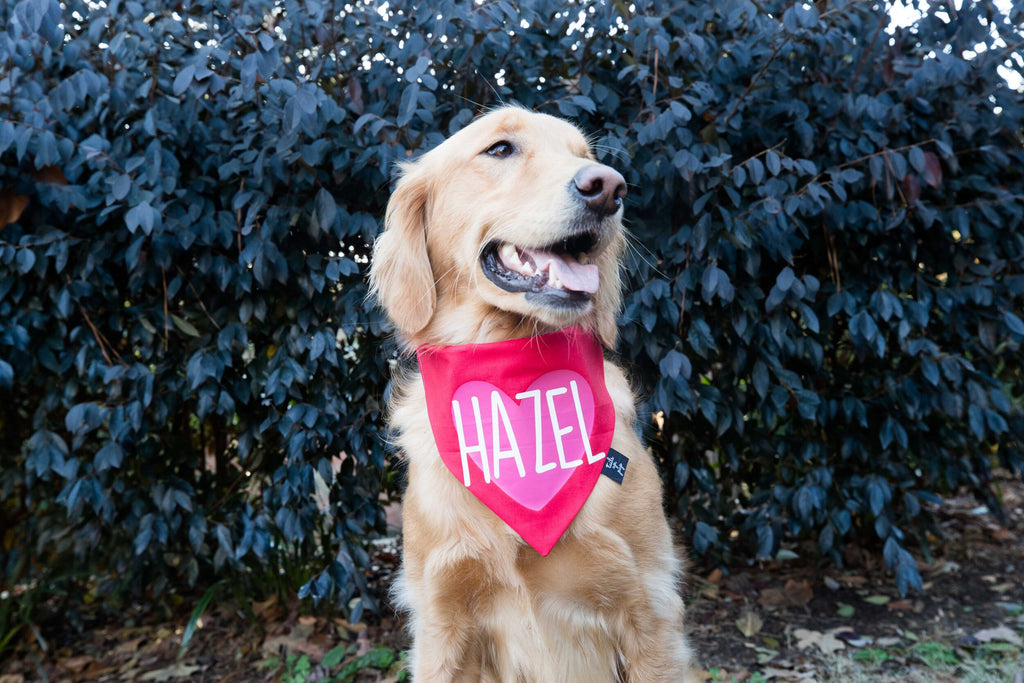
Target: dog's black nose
[[602, 188]]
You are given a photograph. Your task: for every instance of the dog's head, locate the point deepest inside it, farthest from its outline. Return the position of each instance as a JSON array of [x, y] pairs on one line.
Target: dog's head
[[508, 228]]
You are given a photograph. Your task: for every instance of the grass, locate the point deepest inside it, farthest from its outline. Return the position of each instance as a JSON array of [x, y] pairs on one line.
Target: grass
[[927, 662], [923, 662]]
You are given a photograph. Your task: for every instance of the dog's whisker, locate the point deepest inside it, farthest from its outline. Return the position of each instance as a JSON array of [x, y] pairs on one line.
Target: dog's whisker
[[613, 152], [633, 246], [446, 274]]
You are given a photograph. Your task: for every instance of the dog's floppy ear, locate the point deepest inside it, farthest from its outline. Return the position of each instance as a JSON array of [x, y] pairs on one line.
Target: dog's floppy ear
[[401, 279]]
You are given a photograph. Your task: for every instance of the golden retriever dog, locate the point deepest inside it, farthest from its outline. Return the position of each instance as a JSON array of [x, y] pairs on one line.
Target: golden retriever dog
[[507, 230]]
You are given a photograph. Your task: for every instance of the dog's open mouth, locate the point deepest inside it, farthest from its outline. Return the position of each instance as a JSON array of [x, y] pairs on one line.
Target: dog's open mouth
[[555, 275]]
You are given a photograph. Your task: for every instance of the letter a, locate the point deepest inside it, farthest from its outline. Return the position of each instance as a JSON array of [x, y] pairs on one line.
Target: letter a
[[498, 412]]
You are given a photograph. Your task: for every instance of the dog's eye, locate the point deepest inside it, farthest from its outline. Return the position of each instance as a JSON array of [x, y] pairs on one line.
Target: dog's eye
[[501, 149]]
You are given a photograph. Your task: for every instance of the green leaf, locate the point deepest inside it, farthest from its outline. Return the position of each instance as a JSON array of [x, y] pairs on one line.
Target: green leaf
[[333, 657], [184, 325], [197, 614], [121, 186], [183, 79], [408, 104]]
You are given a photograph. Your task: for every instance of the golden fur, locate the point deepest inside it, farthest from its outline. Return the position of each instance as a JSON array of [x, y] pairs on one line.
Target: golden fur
[[604, 605]]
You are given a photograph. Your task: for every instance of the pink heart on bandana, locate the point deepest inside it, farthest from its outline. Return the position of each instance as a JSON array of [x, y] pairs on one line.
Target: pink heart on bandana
[[511, 421], [556, 409]]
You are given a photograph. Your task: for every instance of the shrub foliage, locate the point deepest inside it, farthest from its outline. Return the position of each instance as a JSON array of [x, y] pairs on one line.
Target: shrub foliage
[[825, 290]]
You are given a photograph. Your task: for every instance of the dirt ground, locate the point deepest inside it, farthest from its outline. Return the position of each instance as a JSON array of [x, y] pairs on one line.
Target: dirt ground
[[782, 620], [786, 618]]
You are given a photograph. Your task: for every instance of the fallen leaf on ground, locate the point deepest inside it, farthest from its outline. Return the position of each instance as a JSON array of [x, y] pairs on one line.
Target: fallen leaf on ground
[[878, 599], [76, 665], [275, 645], [772, 597], [799, 592], [1003, 634], [298, 640], [129, 647], [170, 673], [795, 594], [749, 624], [269, 609], [826, 642]]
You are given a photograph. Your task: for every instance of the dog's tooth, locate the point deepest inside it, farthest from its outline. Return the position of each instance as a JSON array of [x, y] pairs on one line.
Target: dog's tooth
[[510, 255]]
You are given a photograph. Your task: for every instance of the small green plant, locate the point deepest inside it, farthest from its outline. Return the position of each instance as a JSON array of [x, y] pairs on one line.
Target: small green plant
[[197, 614], [299, 668], [871, 656], [935, 655], [294, 669], [378, 658]]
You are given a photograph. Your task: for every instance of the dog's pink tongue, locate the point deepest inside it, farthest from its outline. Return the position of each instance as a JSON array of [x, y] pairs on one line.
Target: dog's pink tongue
[[573, 275]]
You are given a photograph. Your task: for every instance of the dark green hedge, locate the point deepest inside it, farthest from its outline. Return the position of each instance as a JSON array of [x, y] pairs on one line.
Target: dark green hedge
[[825, 282]]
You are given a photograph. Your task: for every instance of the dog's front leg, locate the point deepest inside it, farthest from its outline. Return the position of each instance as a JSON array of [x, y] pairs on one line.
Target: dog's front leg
[[442, 597], [655, 651]]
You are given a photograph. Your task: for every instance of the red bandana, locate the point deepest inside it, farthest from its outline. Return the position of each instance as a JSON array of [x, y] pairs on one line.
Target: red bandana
[[512, 419]]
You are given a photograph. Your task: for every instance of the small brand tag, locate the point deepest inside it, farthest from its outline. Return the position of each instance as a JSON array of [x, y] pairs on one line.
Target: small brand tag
[[615, 466]]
